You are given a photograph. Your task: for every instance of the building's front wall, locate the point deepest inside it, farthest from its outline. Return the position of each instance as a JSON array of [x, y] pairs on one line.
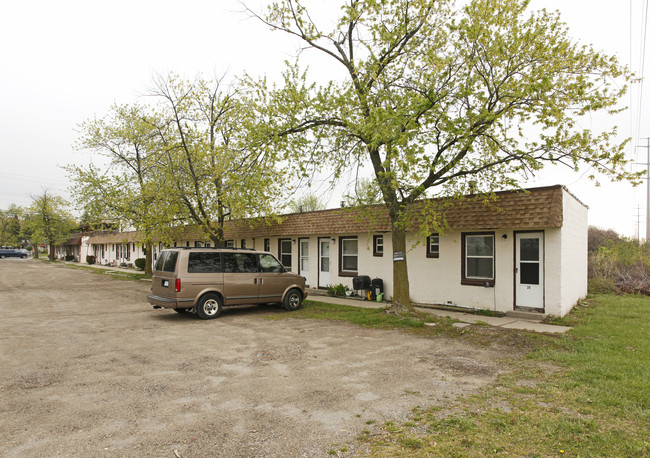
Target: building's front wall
[[438, 280], [435, 280]]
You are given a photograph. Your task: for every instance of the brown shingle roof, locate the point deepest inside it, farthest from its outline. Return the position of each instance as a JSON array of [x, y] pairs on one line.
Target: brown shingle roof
[[532, 208], [73, 239], [118, 237]]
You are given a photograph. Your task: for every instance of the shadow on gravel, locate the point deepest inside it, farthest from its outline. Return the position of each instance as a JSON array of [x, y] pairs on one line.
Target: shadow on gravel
[[227, 312]]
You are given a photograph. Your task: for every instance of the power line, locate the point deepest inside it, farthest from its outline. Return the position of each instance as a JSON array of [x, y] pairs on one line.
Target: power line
[[642, 60], [33, 178]]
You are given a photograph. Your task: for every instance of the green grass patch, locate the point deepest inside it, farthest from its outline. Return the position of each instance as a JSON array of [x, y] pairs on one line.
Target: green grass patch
[[586, 393], [366, 317], [479, 334]]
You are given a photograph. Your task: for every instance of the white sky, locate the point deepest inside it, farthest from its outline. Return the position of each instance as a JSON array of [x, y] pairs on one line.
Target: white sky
[[64, 62]]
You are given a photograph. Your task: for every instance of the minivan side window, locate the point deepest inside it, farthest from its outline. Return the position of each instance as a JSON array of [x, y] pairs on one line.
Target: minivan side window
[[160, 261], [269, 264], [204, 263], [239, 263], [170, 261]]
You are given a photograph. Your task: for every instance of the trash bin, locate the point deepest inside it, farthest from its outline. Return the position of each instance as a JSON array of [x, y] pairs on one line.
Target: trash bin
[[361, 282], [376, 288]]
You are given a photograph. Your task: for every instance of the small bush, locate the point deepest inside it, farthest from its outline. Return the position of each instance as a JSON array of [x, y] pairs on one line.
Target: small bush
[[69, 257], [139, 263], [90, 259], [336, 290], [602, 237]]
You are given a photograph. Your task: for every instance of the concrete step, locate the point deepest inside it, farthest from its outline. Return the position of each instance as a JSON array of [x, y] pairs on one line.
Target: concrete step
[[531, 316]]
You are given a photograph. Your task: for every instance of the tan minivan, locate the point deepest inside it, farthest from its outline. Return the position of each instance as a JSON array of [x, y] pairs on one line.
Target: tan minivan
[[203, 280]]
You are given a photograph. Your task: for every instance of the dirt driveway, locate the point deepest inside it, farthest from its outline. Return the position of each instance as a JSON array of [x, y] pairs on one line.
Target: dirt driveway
[[88, 368]]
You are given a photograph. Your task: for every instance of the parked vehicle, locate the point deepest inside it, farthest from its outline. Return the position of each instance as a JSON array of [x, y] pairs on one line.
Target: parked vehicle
[[203, 280], [13, 253]]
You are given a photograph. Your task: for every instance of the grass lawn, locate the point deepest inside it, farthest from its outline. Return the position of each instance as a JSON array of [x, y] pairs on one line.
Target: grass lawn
[[586, 393]]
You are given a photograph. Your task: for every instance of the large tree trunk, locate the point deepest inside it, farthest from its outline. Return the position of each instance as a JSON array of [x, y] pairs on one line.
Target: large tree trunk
[[52, 251], [148, 257], [217, 239], [401, 291]]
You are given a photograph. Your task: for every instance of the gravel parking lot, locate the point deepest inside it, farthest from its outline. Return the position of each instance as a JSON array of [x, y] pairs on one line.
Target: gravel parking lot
[[90, 369]]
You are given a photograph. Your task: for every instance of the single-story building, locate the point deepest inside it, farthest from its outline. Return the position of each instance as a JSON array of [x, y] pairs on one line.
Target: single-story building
[[69, 249], [526, 250]]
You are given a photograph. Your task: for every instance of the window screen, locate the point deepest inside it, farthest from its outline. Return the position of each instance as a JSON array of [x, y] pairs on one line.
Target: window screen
[[479, 256], [349, 255]]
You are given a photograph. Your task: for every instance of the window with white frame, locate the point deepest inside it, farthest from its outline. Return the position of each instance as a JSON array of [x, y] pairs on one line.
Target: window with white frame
[[478, 259], [378, 245], [348, 256], [433, 245]]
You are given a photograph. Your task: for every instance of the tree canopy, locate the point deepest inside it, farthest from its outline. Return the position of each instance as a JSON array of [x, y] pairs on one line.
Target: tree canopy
[[189, 156], [49, 220], [124, 188], [306, 203], [11, 230], [211, 164]]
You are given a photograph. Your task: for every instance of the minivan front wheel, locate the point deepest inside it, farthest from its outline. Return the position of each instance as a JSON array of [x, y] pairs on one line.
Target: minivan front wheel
[[293, 300], [209, 306]]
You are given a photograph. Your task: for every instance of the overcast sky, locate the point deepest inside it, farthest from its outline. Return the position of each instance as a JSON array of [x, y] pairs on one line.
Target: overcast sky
[[64, 62]]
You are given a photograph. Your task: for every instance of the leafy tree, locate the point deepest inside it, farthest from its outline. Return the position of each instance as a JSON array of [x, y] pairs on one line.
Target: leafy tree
[[440, 100], [366, 192], [10, 226], [598, 237], [126, 187], [210, 165], [49, 220], [306, 203]]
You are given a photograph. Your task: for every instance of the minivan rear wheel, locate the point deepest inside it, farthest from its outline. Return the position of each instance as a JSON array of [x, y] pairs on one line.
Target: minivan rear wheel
[[209, 306], [293, 300]]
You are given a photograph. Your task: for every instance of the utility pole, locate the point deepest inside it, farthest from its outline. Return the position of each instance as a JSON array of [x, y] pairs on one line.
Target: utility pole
[[647, 208], [647, 217]]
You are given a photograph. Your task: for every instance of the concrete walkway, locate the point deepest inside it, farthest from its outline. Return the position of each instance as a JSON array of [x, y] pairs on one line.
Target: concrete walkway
[[464, 319]]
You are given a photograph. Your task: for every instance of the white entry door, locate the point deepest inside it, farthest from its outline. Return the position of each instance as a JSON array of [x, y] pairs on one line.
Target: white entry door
[[324, 277], [529, 270]]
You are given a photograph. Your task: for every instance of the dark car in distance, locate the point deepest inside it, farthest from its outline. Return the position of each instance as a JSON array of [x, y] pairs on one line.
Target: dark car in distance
[[13, 253]]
